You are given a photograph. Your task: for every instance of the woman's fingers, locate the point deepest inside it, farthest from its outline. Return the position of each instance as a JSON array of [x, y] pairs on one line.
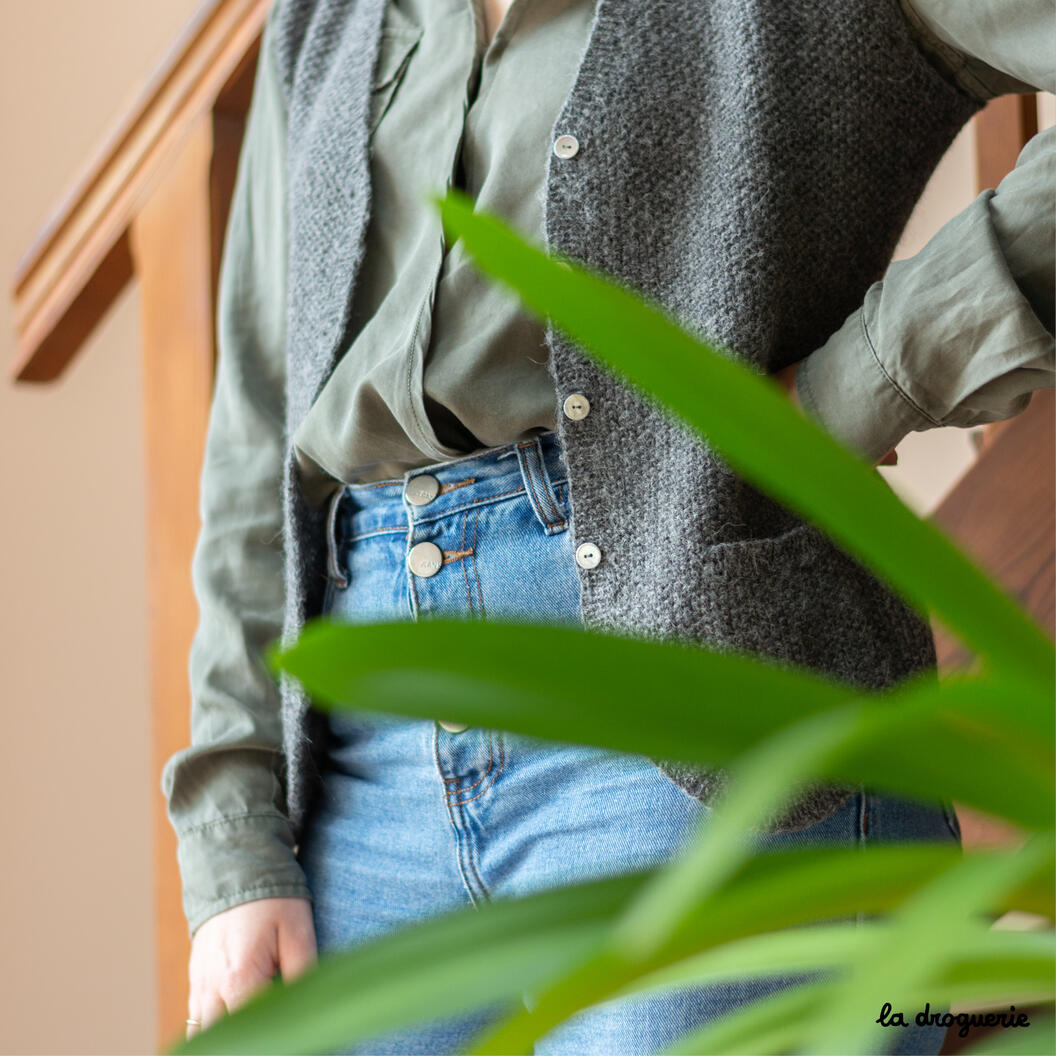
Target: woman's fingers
[[237, 952], [207, 1007], [296, 939]]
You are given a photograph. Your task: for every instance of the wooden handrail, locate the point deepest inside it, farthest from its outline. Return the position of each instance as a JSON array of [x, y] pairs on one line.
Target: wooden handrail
[[80, 262]]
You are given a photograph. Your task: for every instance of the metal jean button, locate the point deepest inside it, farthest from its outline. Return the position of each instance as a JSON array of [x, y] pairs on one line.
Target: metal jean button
[[425, 559], [453, 727], [422, 489]]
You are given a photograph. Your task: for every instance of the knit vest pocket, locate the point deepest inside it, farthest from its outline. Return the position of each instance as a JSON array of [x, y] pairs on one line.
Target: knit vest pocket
[[764, 594]]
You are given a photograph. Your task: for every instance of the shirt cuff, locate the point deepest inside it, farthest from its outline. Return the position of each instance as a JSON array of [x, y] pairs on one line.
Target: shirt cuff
[[843, 387], [232, 860]]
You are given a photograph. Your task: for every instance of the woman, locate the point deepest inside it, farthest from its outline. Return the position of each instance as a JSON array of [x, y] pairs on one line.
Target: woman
[[440, 453]]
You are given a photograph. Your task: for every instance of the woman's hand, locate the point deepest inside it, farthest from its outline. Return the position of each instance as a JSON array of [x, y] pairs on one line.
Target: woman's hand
[[786, 378], [239, 951]]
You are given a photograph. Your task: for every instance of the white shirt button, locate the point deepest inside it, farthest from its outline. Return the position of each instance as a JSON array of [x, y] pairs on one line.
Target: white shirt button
[[576, 406], [453, 727], [588, 555], [425, 559], [422, 489], [566, 146]]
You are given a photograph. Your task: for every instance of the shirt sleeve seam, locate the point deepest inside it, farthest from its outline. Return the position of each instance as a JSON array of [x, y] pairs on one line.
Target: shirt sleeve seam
[[263, 887], [208, 909], [217, 822], [891, 381]]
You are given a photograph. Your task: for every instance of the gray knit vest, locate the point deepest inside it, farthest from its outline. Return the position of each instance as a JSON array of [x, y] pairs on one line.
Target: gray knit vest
[[749, 164]]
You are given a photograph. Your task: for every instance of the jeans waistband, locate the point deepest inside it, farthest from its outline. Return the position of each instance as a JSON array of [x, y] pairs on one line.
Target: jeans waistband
[[534, 467]]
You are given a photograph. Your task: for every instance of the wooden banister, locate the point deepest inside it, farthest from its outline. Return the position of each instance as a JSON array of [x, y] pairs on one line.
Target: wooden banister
[[79, 263]]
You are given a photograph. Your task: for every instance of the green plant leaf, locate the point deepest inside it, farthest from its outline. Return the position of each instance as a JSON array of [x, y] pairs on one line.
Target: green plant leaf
[[384, 665], [656, 917], [816, 884], [984, 959], [921, 942], [769, 1025], [984, 962], [1038, 1039], [713, 391], [501, 950], [454, 962], [760, 781]]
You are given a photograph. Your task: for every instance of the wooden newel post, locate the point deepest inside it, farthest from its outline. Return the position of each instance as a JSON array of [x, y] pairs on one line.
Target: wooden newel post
[[152, 205], [172, 247]]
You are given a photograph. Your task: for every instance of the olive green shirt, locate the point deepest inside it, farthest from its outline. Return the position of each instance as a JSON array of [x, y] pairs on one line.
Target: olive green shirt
[[441, 362]]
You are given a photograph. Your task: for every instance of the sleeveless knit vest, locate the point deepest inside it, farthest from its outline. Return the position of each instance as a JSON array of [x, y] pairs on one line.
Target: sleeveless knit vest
[[749, 164]]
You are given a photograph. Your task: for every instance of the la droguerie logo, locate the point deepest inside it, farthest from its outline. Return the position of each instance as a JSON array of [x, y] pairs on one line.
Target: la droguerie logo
[[966, 1020]]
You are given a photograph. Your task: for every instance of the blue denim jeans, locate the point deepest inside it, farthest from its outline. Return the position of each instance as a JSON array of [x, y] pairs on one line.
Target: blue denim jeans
[[418, 817]]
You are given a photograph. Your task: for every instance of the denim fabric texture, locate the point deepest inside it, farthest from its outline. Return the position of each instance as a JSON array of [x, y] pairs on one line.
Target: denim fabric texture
[[416, 820]]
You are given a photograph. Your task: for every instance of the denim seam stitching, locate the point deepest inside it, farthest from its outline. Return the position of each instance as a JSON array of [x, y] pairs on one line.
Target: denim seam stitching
[[465, 574], [476, 571], [456, 827], [469, 788], [491, 764]]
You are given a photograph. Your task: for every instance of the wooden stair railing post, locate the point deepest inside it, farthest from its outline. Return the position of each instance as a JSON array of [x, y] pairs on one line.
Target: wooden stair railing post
[[176, 240]]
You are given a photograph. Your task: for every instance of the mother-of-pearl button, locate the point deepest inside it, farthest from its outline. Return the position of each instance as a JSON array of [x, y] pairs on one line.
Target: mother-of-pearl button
[[576, 406], [588, 555], [566, 146], [425, 559]]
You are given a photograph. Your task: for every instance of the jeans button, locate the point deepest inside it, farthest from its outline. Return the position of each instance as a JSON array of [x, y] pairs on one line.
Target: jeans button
[[453, 727], [422, 489], [425, 559]]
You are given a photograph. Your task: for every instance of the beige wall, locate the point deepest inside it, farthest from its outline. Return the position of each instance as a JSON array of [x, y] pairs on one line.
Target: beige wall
[[77, 780], [78, 954]]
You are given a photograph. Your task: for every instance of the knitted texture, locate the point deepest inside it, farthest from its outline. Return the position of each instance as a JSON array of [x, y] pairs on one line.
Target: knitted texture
[[749, 166]]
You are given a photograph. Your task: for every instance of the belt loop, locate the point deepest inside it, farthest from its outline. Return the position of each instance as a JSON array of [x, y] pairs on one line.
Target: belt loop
[[538, 487], [332, 563]]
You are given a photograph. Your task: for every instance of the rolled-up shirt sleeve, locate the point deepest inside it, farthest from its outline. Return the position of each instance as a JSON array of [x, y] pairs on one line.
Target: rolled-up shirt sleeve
[[224, 793], [961, 333]]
